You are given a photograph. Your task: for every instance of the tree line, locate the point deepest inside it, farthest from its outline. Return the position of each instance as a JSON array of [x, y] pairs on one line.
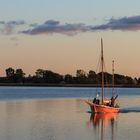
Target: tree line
[[42, 76]]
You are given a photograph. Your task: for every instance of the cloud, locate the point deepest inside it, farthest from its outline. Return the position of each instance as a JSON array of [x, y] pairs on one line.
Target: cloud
[[20, 22], [33, 25], [52, 26], [10, 26], [2, 22], [123, 24], [52, 22]]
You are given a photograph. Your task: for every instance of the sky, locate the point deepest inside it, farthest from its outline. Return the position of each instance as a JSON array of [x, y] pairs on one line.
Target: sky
[[64, 35]]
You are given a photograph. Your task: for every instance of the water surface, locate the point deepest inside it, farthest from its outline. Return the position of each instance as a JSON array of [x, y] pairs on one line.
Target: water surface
[[29, 113]]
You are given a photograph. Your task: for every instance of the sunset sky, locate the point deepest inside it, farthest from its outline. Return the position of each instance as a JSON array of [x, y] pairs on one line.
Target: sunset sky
[[64, 35]]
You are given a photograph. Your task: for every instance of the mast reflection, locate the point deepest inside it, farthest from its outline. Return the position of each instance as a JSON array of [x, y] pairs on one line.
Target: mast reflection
[[105, 125]]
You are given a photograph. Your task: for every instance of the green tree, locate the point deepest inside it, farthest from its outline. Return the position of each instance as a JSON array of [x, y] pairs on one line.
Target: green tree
[[129, 80], [39, 73], [10, 72], [81, 77], [80, 73], [19, 75], [92, 77], [91, 74], [47, 76], [68, 79], [52, 77]]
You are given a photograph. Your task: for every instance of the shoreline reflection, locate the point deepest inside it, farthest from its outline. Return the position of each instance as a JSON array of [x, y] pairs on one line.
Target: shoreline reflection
[[105, 125]]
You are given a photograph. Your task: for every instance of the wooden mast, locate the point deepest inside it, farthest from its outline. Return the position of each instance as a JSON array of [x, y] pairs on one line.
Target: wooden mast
[[102, 66], [113, 90]]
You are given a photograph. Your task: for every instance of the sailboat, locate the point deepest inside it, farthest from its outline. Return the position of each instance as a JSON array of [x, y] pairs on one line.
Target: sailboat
[[105, 105]]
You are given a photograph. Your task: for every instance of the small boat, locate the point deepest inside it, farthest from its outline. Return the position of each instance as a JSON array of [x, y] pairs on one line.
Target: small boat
[[104, 105]]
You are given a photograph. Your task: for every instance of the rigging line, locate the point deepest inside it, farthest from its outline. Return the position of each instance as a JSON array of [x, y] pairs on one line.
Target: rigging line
[[98, 64], [97, 69], [106, 78]]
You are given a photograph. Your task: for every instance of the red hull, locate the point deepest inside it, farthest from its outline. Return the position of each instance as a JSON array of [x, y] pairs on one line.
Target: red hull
[[102, 108], [106, 117]]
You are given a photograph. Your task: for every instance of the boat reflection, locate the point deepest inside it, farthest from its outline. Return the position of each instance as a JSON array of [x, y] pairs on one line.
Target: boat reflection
[[105, 125]]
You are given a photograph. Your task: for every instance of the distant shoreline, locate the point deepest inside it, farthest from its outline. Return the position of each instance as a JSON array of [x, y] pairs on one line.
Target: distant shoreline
[[63, 85]]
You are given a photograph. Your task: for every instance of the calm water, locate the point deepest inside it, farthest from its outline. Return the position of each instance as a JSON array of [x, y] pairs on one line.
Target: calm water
[[31, 113]]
